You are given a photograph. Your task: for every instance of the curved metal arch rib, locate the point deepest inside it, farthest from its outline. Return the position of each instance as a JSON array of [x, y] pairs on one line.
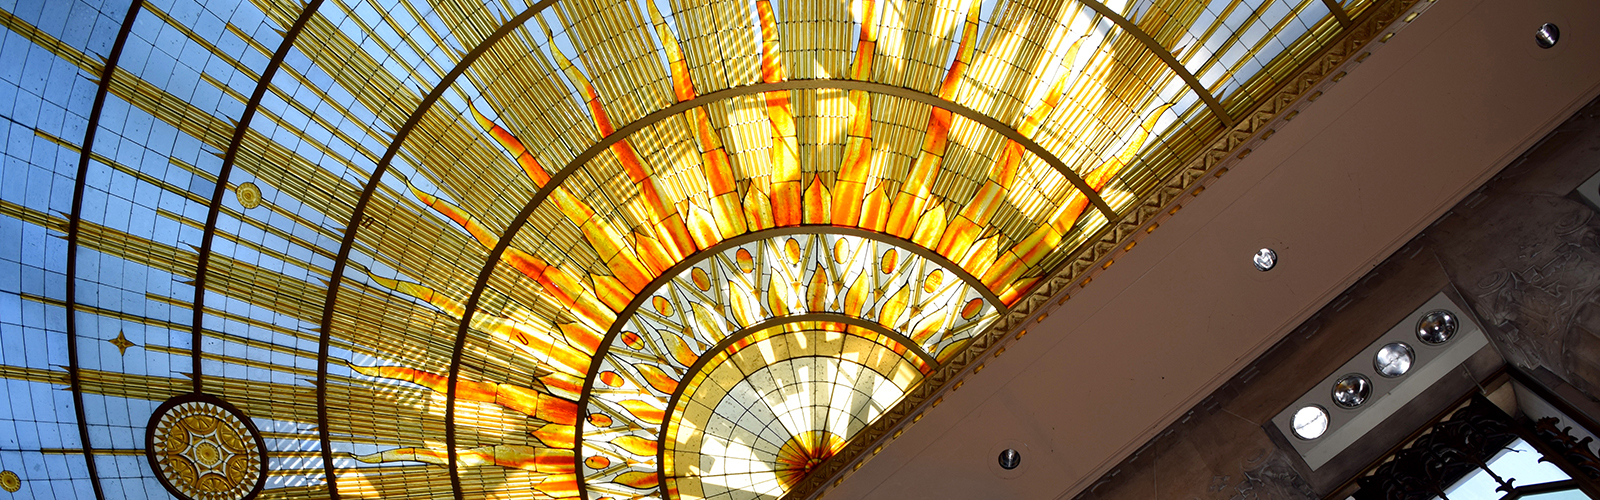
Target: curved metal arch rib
[[1339, 13], [240, 129], [85, 154], [605, 143], [727, 244], [1166, 56], [470, 307], [700, 364], [730, 243], [229, 158], [347, 243], [493, 259], [1007, 131]]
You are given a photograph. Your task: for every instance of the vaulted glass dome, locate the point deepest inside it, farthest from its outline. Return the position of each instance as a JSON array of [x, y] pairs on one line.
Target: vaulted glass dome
[[576, 248]]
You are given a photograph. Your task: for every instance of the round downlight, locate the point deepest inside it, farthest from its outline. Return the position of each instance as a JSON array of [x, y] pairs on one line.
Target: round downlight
[[1394, 359], [1352, 390], [1265, 259], [1310, 422], [1437, 327], [1010, 459]]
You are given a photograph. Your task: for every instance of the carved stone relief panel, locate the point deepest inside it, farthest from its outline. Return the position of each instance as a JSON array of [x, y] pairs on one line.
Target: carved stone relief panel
[[1271, 477], [1534, 287], [1212, 454], [1531, 270]]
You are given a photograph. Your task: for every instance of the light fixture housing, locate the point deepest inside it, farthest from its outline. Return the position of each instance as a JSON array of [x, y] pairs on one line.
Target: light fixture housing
[[1589, 191], [1359, 396], [1010, 459]]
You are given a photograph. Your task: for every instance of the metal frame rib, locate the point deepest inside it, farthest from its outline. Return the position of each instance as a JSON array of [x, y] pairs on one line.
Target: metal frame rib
[[229, 158], [493, 259], [86, 153], [470, 306], [1339, 13], [700, 364], [347, 243], [992, 123], [1166, 56]]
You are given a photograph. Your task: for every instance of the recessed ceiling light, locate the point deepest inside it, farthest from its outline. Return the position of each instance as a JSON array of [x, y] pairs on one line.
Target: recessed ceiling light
[[1547, 36], [1352, 390], [1010, 459], [1266, 259], [1393, 359], [1437, 327], [1310, 422]]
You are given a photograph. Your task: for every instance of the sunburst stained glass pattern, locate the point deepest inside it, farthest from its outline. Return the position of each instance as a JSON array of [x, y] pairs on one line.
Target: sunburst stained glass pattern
[[750, 283], [745, 288], [861, 158], [925, 153], [759, 415]]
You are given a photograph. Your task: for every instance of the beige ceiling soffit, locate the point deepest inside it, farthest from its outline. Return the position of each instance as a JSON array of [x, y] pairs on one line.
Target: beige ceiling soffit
[[1166, 56], [1316, 76]]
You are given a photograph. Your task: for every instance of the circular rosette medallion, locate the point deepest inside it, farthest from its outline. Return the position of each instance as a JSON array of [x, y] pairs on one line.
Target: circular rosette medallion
[[205, 449]]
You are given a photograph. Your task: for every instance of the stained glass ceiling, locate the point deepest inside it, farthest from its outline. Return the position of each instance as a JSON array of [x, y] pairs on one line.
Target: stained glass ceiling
[[598, 249]]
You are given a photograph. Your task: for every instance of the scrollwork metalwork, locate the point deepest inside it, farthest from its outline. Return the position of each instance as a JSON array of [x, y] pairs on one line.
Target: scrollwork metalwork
[[1453, 448], [1576, 451]]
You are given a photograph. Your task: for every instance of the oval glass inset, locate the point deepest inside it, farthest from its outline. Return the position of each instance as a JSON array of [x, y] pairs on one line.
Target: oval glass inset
[[934, 279], [1309, 422], [1437, 327], [1352, 390], [1394, 359]]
